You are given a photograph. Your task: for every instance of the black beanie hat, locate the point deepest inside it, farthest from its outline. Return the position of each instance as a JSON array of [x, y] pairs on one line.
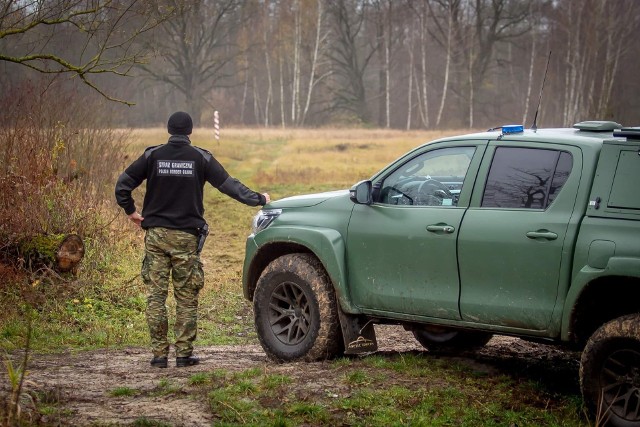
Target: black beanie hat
[[180, 124]]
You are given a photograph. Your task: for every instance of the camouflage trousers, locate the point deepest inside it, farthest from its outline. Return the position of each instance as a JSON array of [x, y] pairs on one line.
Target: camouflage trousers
[[172, 253]]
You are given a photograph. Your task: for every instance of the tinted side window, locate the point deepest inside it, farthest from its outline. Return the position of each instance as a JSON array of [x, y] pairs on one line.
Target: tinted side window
[[526, 178]]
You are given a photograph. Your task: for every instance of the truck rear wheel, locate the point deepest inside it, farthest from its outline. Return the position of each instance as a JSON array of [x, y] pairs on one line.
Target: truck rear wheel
[[296, 314], [610, 372], [439, 339]]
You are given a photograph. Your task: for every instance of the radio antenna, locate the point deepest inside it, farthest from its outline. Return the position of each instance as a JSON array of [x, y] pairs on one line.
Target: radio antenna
[[534, 127]]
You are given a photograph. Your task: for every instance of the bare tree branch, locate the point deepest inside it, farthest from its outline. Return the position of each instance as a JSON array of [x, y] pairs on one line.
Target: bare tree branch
[[32, 35]]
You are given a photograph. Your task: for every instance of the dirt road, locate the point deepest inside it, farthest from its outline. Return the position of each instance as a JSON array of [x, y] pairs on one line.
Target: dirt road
[[83, 383]]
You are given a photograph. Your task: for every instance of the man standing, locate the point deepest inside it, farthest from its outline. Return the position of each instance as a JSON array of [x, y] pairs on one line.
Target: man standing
[[172, 216]]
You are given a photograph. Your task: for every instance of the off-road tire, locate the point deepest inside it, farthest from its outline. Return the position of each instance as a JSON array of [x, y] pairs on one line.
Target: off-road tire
[[446, 340], [295, 291], [610, 372]]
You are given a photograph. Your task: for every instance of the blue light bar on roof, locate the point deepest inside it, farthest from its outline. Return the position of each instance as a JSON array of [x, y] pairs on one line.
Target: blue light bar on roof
[[512, 129]]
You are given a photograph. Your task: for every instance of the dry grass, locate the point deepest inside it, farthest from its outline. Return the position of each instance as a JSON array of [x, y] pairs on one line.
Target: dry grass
[[273, 158]]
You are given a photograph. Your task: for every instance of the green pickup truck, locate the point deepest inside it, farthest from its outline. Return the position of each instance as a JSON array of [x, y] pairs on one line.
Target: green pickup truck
[[528, 233]]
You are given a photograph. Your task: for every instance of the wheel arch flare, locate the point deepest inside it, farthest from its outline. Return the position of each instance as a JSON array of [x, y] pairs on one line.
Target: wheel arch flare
[[327, 245]]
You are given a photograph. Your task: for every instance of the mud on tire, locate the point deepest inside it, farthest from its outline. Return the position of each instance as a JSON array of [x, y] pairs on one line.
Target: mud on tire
[[295, 310], [610, 372]]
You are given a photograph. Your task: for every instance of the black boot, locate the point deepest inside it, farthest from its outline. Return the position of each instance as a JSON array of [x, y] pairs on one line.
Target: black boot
[[186, 361], [159, 362]]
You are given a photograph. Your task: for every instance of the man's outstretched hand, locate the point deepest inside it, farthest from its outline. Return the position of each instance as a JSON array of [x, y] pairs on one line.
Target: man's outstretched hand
[[266, 198]]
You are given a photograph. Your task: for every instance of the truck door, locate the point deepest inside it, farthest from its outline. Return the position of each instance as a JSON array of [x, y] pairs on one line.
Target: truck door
[[512, 240], [401, 251]]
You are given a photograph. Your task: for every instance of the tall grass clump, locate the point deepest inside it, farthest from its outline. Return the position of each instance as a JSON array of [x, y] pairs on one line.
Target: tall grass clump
[[57, 155], [58, 163], [11, 404]]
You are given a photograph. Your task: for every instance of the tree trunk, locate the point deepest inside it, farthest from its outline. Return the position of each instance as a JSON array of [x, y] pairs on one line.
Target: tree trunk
[[314, 62], [387, 67], [283, 118], [423, 58], [380, 40], [410, 82], [471, 89], [244, 97], [447, 67], [267, 103], [256, 101], [295, 89], [528, 98]]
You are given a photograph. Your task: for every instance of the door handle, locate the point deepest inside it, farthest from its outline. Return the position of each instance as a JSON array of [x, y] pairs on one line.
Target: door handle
[[440, 228], [542, 234]]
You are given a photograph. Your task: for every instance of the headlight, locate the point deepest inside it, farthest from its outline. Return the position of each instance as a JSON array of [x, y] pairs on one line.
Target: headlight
[[263, 219]]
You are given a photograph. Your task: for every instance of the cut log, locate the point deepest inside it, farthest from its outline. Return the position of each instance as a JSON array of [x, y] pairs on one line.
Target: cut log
[[59, 251], [70, 253]]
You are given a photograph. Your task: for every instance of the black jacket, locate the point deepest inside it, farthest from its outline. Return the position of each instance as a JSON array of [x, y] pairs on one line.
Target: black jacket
[[176, 173]]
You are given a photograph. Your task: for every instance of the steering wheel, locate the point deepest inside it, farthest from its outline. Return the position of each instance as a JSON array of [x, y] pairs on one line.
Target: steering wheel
[[431, 192]]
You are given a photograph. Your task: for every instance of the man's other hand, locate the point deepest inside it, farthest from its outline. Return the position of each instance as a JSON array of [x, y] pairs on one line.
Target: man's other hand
[[136, 218], [266, 198]]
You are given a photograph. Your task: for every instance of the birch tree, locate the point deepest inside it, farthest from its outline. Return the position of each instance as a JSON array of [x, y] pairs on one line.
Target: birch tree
[[266, 24], [445, 15], [295, 85], [318, 52], [421, 11], [410, 45]]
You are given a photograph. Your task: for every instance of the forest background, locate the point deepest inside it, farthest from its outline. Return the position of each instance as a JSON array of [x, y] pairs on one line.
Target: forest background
[[403, 64]]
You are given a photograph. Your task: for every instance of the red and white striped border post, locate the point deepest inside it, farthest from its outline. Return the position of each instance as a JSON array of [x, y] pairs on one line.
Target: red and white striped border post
[[216, 126]]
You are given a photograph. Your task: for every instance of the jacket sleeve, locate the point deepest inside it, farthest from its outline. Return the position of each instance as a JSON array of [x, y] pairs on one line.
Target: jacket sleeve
[[234, 188], [219, 178], [130, 179]]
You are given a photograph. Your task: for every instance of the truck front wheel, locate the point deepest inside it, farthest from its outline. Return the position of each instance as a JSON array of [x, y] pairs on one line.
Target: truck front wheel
[[610, 372], [296, 314]]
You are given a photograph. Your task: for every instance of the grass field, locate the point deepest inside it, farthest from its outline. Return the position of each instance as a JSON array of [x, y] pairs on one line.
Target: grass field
[[103, 307]]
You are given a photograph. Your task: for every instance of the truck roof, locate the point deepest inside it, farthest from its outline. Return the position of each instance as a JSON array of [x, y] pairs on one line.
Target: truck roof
[[588, 140]]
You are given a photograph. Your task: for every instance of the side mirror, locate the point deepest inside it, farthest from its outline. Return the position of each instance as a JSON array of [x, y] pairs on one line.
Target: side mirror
[[361, 193]]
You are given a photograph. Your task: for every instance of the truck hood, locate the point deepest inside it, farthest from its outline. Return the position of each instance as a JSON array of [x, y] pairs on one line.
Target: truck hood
[[306, 200]]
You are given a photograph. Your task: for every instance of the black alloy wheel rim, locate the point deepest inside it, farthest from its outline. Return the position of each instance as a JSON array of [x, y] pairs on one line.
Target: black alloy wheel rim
[[289, 313], [620, 381]]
